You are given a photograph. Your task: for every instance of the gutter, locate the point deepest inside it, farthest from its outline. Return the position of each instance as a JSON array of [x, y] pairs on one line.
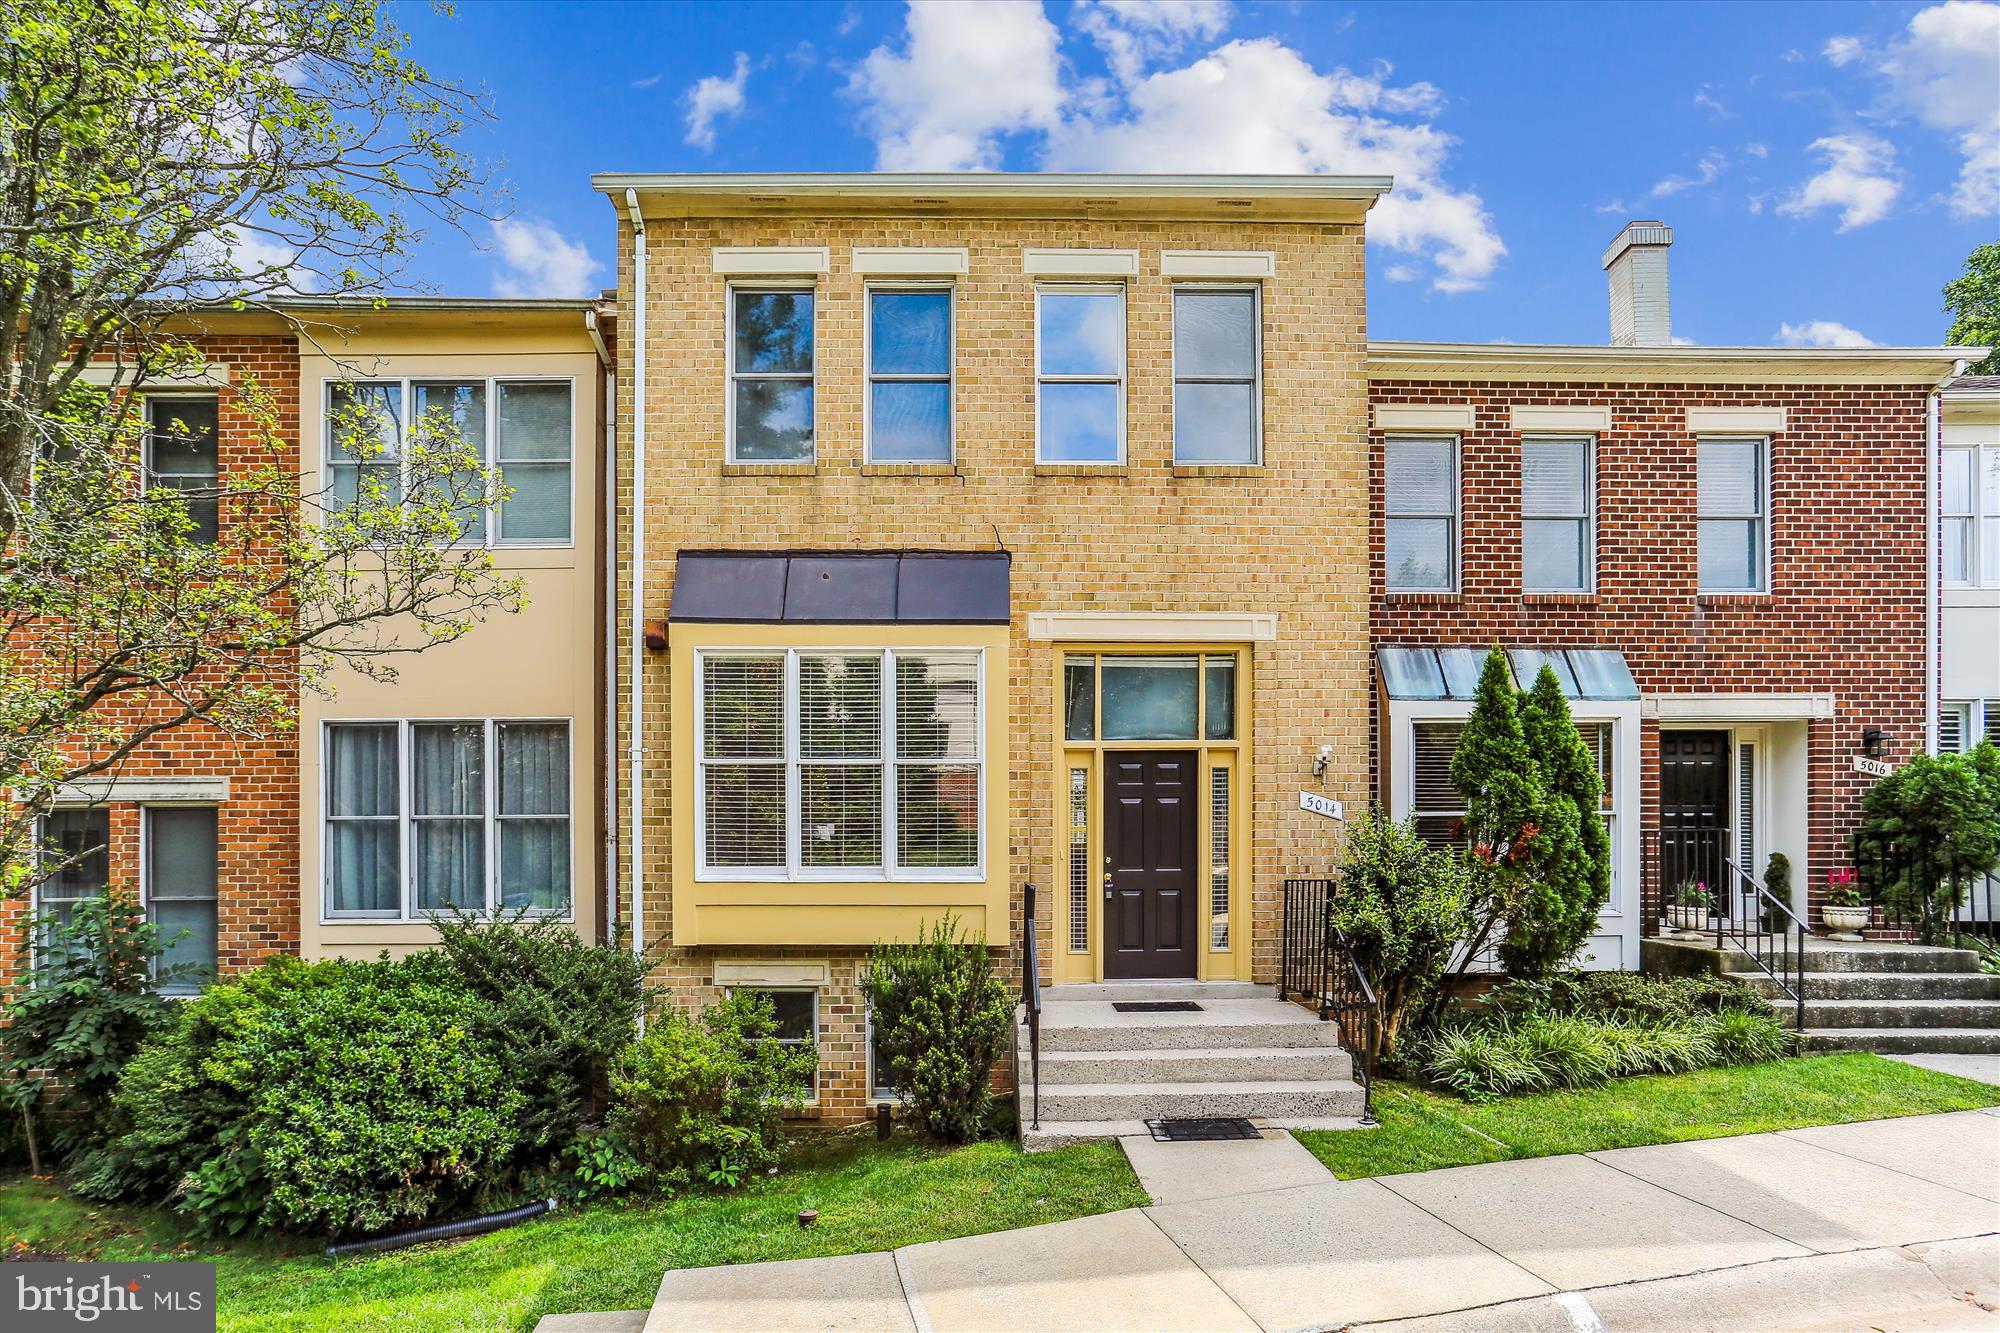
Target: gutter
[[636, 607], [607, 632]]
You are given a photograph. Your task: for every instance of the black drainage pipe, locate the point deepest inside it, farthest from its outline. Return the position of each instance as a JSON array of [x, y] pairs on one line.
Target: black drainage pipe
[[469, 1226]]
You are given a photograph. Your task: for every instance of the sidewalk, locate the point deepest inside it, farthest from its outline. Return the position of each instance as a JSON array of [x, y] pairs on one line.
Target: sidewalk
[[1888, 1223]]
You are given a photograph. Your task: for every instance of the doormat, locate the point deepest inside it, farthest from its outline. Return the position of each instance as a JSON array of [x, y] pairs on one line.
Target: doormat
[[1156, 1006], [1201, 1131]]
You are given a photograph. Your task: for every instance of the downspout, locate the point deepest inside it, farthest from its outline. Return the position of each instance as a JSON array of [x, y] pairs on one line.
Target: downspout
[[1934, 578], [636, 608], [607, 610]]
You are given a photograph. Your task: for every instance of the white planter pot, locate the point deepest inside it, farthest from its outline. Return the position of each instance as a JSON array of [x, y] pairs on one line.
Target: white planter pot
[[1846, 923], [1692, 919]]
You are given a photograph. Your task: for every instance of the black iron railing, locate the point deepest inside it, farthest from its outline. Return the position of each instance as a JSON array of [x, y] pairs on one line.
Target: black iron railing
[[1316, 964], [1031, 1002], [1765, 929], [1909, 887]]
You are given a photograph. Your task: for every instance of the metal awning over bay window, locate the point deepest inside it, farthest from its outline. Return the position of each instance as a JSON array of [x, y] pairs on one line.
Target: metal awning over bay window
[[1453, 673]]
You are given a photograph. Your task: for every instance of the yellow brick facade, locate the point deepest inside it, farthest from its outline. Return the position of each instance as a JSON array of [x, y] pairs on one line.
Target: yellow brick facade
[[1287, 539]]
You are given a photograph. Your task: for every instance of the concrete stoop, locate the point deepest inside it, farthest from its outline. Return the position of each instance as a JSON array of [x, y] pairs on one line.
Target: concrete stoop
[[1244, 1053], [1896, 999]]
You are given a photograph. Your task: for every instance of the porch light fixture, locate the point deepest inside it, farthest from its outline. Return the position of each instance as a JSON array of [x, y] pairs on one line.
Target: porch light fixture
[[1321, 760], [1871, 742]]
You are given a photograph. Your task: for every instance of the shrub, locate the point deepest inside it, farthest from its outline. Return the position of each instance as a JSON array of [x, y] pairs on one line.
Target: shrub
[[554, 1008], [1402, 907], [703, 1098], [1634, 997], [941, 1019], [87, 1001], [1927, 829]]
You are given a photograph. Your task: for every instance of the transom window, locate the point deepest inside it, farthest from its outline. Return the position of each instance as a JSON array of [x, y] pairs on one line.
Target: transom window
[[1218, 376], [1184, 696], [1556, 515], [840, 764], [1733, 506], [1080, 373], [1420, 526], [180, 456], [520, 428], [771, 374], [426, 816], [1971, 515], [910, 374]]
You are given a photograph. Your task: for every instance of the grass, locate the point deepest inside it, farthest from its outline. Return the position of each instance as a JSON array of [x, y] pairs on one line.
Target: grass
[[1423, 1130], [869, 1196]]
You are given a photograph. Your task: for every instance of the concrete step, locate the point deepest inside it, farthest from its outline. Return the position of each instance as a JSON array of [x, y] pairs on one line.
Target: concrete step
[[1890, 986], [1907, 1041], [1062, 1133], [1093, 1025], [1888, 958], [1148, 1101], [1901, 1013], [1220, 1065], [1158, 990]]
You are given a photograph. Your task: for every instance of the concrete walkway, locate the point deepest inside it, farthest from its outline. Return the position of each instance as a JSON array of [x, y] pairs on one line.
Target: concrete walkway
[[1984, 1068], [1888, 1223]]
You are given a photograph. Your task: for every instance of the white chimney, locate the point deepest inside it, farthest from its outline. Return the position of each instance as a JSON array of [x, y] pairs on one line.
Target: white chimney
[[1637, 262]]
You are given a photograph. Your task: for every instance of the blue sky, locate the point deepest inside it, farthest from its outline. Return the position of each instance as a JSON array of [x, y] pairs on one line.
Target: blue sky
[[1826, 167]]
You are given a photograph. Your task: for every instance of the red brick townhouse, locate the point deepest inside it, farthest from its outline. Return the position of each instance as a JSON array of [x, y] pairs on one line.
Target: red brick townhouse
[[1726, 553], [472, 778]]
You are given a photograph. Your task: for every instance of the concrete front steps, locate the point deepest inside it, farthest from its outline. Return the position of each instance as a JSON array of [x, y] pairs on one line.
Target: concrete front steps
[[1244, 1053], [1896, 999]]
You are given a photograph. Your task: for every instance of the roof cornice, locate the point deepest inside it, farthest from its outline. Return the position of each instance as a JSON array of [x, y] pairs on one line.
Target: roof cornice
[[1722, 365]]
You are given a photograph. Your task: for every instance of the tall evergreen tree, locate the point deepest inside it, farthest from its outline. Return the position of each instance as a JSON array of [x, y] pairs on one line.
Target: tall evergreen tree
[[1569, 859], [1495, 772]]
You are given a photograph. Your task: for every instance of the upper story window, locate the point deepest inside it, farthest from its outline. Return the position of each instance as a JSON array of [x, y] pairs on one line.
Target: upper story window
[[1420, 528], [1972, 515], [910, 374], [521, 428], [426, 816], [1556, 514], [1733, 508], [180, 455], [1218, 376], [770, 374], [1080, 373], [839, 764]]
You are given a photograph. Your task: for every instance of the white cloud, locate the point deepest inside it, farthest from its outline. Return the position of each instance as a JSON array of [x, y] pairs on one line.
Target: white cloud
[[1842, 50], [968, 73], [1945, 71], [1859, 179], [1136, 33], [538, 260], [1706, 99], [1822, 333], [1711, 166], [714, 98], [646, 82]]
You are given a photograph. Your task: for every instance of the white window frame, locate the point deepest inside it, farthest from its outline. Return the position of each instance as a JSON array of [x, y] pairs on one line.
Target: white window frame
[[491, 446], [1120, 380], [155, 477], [1454, 519], [869, 377], [730, 374], [36, 900], [1588, 517], [812, 1041], [1762, 518], [406, 820], [1976, 518], [182, 990], [1255, 292], [875, 1095], [794, 870]]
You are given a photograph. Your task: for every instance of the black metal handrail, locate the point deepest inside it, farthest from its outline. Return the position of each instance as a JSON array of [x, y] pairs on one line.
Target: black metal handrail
[[1767, 931], [1316, 963], [1895, 884], [1031, 1001]]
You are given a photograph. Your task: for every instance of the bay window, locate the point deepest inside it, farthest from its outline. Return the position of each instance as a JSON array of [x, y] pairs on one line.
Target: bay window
[[839, 764]]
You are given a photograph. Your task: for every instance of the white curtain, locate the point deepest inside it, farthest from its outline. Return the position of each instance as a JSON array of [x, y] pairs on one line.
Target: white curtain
[[449, 830], [364, 858]]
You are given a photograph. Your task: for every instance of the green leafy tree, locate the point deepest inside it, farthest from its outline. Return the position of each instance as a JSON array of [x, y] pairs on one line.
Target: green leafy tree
[[1927, 830], [941, 1018], [1973, 301], [1496, 775], [160, 161], [1402, 907], [1569, 859]]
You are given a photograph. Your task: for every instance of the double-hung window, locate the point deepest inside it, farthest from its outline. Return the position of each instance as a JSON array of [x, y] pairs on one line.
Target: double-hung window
[[1420, 527], [1436, 807], [797, 1015], [428, 816], [180, 456], [180, 878], [1733, 510], [910, 374], [1080, 373], [1971, 515], [76, 842], [1218, 376], [521, 429], [1556, 515], [771, 374], [840, 764]]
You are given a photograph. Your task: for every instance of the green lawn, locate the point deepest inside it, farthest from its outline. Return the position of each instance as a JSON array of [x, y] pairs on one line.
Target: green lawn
[[869, 1197], [1422, 1130]]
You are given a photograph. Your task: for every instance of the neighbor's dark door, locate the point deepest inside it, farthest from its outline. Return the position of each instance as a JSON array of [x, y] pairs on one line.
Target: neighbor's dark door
[[1694, 811], [1149, 854]]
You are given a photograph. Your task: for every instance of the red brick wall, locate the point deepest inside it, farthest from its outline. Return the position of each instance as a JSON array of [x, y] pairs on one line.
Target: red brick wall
[[1845, 613]]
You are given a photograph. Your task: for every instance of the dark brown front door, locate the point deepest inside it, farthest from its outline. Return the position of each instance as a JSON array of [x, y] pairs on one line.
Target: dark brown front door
[[1694, 810], [1149, 854]]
